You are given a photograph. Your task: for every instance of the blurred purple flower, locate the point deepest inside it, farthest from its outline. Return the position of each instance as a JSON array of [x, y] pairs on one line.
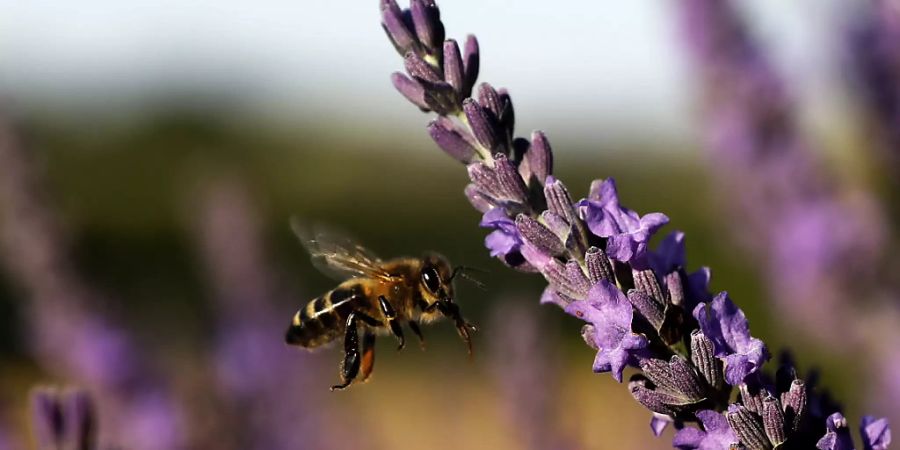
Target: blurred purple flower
[[525, 369], [823, 247], [610, 313], [72, 338], [63, 419], [791, 213], [874, 58], [715, 435], [256, 376]]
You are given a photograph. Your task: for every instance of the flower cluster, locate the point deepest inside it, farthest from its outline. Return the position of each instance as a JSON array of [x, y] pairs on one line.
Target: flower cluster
[[642, 308]]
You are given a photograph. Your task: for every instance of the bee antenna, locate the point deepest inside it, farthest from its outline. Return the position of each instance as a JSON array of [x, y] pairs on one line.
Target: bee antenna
[[462, 272]]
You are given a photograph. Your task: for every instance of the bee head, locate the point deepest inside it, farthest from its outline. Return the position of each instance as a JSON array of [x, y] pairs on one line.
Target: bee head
[[436, 278]]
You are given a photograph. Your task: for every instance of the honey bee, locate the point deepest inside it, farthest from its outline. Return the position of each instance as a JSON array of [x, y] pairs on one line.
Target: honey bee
[[377, 297]]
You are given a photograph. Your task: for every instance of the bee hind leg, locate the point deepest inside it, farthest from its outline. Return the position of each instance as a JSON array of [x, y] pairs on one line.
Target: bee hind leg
[[350, 365], [391, 317], [368, 355]]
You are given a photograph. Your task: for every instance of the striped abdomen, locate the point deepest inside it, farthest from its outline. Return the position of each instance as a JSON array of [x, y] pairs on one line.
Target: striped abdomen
[[324, 318]]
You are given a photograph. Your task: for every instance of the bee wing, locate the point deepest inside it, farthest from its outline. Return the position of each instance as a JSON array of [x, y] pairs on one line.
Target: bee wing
[[338, 256]]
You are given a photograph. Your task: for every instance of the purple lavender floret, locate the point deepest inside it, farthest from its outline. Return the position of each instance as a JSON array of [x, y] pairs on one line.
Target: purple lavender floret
[[715, 435], [669, 257], [875, 433], [504, 242], [727, 327], [643, 310], [627, 232], [610, 313], [838, 435]]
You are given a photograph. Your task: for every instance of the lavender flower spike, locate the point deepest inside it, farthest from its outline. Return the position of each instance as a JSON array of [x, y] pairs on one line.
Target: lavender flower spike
[[874, 54], [72, 337], [684, 343]]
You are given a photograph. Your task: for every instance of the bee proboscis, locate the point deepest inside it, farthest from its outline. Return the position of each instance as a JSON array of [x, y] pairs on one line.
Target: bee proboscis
[[375, 296]]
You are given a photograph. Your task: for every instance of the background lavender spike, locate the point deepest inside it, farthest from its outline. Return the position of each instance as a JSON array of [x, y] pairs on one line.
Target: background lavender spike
[[63, 419], [523, 366], [873, 47], [269, 390], [72, 339], [820, 248], [824, 252], [619, 332]]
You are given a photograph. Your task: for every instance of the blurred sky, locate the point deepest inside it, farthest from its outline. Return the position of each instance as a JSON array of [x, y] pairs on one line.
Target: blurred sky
[[564, 63]]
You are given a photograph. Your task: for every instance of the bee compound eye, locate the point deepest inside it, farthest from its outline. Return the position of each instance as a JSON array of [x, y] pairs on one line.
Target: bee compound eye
[[431, 279]]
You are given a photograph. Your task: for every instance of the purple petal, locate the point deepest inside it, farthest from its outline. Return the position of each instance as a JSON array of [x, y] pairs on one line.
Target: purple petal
[[610, 312], [505, 238], [838, 435], [689, 438], [551, 296], [669, 254], [627, 233], [876, 434], [659, 423]]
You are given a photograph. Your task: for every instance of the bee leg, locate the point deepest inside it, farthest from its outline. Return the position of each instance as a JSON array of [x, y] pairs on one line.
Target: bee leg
[[451, 310], [350, 366], [413, 325], [391, 317], [368, 355]]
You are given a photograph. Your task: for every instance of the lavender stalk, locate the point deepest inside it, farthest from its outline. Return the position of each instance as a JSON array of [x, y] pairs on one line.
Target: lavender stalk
[[599, 268], [523, 366], [874, 53], [825, 252], [72, 339], [822, 249], [266, 389]]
